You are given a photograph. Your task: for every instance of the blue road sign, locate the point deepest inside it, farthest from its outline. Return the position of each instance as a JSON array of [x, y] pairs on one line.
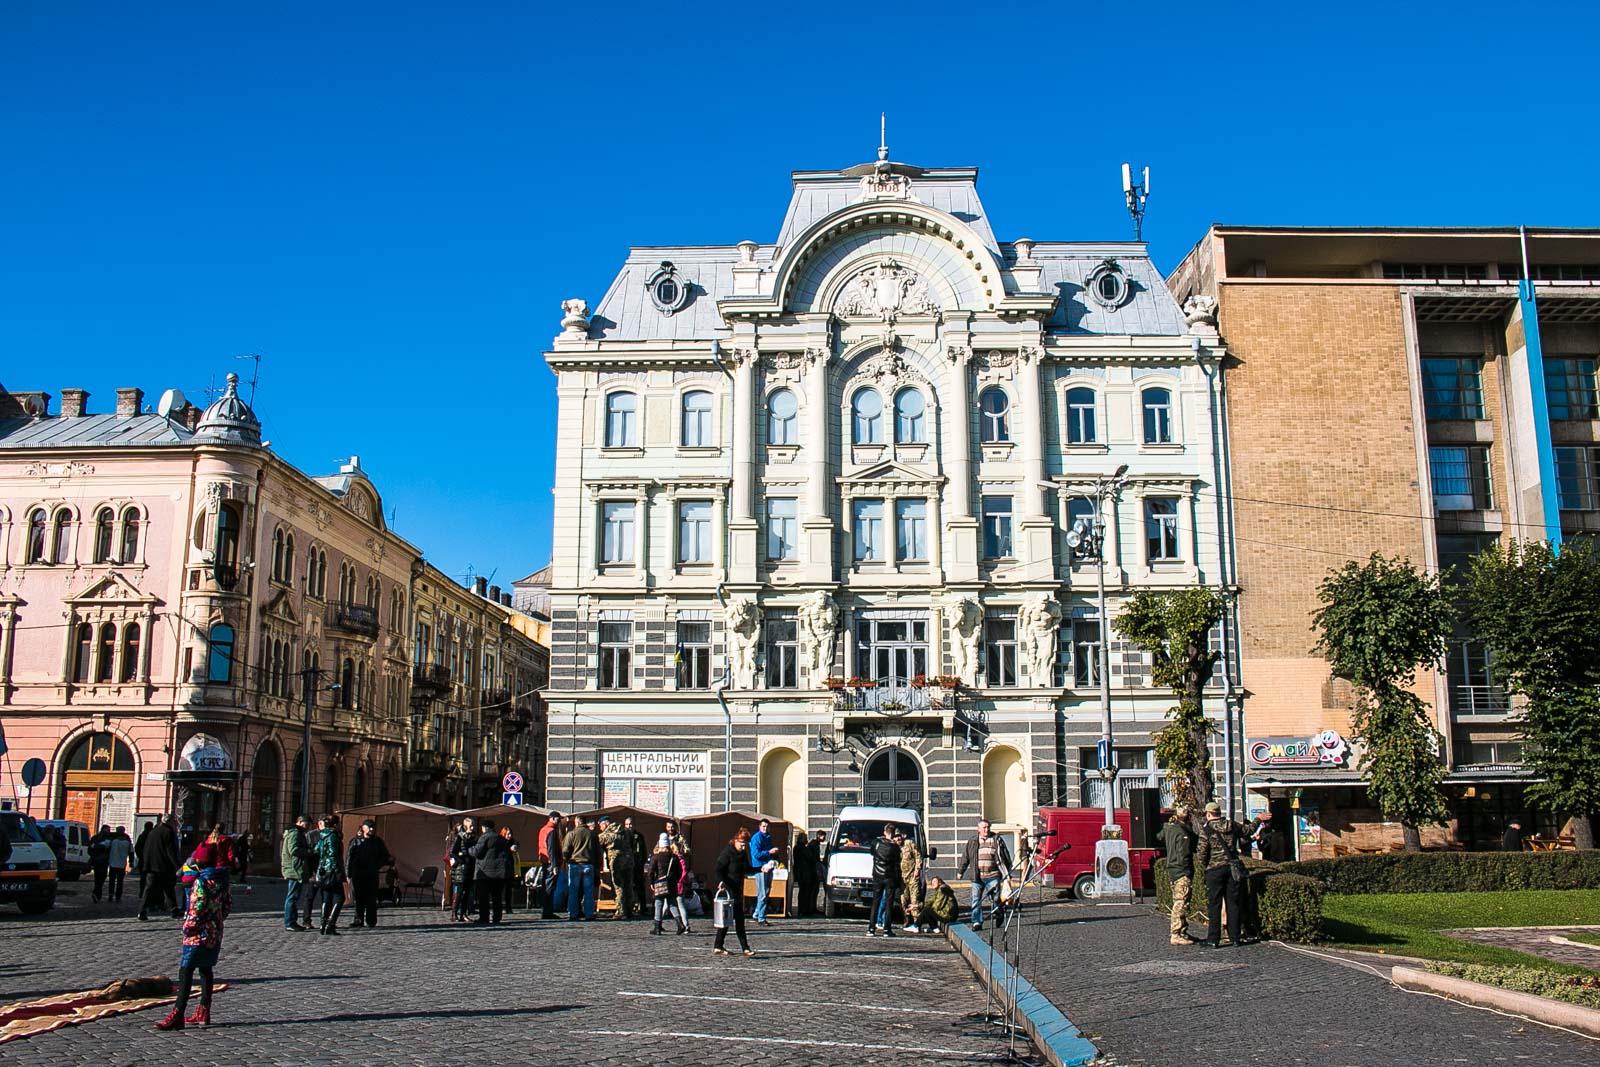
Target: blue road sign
[[1102, 750], [511, 800], [33, 772]]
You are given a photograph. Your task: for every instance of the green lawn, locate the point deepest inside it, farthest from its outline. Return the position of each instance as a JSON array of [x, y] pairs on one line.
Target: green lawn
[[1405, 923]]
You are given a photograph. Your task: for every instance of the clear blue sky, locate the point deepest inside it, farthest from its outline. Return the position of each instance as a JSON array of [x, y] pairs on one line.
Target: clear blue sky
[[389, 201]]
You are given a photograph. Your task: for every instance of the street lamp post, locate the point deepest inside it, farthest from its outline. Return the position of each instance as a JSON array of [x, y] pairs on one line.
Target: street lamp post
[[308, 686], [1090, 536]]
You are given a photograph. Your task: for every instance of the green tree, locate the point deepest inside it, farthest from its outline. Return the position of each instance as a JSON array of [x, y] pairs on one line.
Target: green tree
[[1537, 611], [1379, 622], [1175, 628]]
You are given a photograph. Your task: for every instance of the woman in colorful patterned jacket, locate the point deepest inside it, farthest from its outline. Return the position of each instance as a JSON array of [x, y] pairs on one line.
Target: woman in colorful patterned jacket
[[209, 905], [330, 873]]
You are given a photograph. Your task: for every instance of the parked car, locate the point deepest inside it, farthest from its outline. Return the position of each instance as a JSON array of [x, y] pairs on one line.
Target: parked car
[[1080, 828], [848, 881], [28, 876], [75, 861]]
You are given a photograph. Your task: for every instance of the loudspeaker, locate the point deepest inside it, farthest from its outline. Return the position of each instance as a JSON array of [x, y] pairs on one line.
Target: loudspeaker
[[1144, 818]]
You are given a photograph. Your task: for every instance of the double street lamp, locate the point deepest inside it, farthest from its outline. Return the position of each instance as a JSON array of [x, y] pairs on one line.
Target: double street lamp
[[1086, 540]]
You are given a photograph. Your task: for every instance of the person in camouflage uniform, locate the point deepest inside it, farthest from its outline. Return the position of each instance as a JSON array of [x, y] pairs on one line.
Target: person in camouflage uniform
[[624, 848], [910, 880]]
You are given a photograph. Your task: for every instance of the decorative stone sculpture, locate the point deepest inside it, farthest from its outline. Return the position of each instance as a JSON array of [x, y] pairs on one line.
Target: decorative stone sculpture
[[575, 318], [1039, 620], [744, 623], [819, 619], [966, 622], [885, 291], [1200, 310]]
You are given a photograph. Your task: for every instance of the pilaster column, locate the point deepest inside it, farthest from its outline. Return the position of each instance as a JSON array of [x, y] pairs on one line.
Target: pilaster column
[[816, 528], [743, 434], [960, 553], [1029, 369]]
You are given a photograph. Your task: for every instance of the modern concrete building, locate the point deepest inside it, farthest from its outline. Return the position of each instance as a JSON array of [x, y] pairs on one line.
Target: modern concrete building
[[1393, 391], [811, 505]]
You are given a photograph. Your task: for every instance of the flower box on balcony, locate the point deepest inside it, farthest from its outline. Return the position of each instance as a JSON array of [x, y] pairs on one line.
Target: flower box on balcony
[[947, 681], [834, 683], [862, 683]]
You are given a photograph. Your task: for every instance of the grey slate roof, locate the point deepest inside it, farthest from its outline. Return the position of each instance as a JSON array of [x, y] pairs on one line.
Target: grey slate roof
[[952, 190], [1150, 311], [92, 431], [626, 312]]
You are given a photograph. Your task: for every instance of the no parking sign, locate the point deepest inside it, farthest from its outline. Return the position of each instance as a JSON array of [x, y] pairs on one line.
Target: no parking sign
[[511, 783]]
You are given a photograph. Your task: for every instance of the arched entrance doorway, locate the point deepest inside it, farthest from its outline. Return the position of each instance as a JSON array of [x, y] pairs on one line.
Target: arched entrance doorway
[[264, 785], [1005, 789], [893, 780], [97, 782], [783, 786]]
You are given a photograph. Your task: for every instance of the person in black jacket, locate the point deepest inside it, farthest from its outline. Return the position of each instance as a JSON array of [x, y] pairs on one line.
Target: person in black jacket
[[733, 867], [806, 859], [885, 883], [159, 864], [365, 858], [492, 855], [461, 868]]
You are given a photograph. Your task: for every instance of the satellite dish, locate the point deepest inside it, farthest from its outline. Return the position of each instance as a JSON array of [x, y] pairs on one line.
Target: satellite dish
[[172, 400]]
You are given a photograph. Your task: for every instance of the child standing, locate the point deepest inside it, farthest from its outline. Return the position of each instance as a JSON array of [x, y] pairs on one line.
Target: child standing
[[209, 905]]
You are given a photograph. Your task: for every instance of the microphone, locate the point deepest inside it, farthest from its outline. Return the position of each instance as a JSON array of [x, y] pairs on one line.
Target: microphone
[[1047, 833]]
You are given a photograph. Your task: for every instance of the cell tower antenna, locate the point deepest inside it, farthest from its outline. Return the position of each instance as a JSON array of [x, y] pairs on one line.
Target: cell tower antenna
[[1136, 193]]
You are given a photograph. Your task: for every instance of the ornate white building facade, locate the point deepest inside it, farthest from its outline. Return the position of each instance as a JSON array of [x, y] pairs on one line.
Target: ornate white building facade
[[805, 488]]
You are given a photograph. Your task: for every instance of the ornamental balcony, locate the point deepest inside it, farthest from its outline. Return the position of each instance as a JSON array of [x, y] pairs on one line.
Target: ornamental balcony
[[519, 716], [434, 678], [354, 619], [892, 699], [497, 700]]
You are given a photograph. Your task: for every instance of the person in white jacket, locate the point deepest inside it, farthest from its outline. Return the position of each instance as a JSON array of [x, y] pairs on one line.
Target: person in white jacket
[[121, 848]]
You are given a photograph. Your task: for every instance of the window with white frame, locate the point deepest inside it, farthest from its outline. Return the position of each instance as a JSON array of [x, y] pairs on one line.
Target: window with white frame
[[866, 417], [1161, 529], [911, 530], [994, 416], [783, 650], [616, 531], [783, 424], [1136, 769], [1081, 416], [910, 423], [616, 655], [622, 420], [104, 525], [1080, 507], [697, 419], [783, 528], [694, 531], [694, 655], [1085, 652], [866, 521], [997, 528], [1157, 404], [1000, 649]]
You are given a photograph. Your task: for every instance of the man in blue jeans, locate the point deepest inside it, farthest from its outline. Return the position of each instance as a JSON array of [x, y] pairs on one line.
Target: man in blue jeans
[[582, 851], [989, 860], [762, 852], [297, 863]]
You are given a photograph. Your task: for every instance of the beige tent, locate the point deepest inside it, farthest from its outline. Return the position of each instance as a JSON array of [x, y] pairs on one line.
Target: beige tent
[[415, 833], [708, 834], [525, 820]]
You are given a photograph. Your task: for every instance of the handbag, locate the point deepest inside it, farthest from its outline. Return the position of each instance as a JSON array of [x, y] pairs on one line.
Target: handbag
[[721, 904], [536, 876]]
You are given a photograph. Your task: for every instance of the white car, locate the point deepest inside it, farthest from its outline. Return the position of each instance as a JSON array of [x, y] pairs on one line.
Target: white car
[[75, 861], [28, 874], [849, 863]]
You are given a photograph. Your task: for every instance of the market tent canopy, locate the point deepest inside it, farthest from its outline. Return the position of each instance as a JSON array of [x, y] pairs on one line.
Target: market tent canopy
[[415, 832], [525, 820], [649, 823], [707, 834]]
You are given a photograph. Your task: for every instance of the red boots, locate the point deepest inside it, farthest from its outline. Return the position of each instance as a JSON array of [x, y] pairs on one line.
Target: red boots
[[201, 1016], [173, 1021]]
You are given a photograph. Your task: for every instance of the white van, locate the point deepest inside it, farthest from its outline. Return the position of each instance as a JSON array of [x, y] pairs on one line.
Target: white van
[[28, 874], [849, 864], [75, 861]]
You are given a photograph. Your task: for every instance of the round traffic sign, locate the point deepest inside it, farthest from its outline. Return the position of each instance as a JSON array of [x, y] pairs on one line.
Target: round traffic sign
[[33, 772], [512, 782]]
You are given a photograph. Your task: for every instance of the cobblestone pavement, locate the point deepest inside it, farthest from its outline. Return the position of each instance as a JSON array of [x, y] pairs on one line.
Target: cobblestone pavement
[[1536, 941], [422, 990], [1146, 1003]]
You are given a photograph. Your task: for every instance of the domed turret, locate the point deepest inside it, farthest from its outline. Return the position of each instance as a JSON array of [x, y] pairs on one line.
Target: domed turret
[[229, 419]]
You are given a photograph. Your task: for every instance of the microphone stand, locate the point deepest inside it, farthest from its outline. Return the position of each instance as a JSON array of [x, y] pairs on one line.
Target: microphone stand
[[1014, 912]]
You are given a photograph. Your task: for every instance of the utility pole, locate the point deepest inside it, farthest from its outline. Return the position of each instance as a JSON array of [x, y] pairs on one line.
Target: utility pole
[[1085, 536], [308, 687]]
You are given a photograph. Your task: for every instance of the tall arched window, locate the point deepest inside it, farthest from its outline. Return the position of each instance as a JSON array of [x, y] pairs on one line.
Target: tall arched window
[[130, 652], [910, 422], [347, 684], [288, 557], [106, 654], [1080, 416], [130, 535], [62, 541], [361, 685], [782, 425], [105, 521], [219, 658], [1157, 416], [994, 416], [227, 552], [82, 652], [622, 420], [277, 554], [36, 525], [697, 419], [866, 409]]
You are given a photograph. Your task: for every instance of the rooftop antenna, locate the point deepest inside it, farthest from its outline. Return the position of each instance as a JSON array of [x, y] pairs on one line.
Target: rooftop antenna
[[883, 135], [1136, 195], [255, 373]]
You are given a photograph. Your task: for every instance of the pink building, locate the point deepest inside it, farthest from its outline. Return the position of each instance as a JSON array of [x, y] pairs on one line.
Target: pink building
[[167, 583]]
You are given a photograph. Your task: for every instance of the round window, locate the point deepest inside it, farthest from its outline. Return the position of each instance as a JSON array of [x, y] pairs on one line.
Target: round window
[[1108, 285], [667, 292], [668, 289]]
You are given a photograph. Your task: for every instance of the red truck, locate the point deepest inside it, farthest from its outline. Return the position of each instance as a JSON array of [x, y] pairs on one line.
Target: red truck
[[1080, 828]]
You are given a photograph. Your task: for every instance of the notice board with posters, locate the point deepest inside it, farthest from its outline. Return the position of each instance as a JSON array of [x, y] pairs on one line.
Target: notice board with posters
[[671, 782]]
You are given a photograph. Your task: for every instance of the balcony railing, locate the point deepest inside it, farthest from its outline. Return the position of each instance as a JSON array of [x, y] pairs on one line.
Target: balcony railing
[[1479, 700], [497, 700], [893, 700], [354, 619], [519, 715], [434, 677]]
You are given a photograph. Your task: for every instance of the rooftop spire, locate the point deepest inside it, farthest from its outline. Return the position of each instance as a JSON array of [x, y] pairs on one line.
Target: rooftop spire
[[883, 135]]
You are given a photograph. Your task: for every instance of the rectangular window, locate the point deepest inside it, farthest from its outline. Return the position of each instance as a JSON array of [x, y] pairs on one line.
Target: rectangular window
[[616, 655], [1575, 478], [911, 530], [1452, 388], [694, 531], [997, 527], [1161, 529], [1086, 652], [694, 655], [783, 650], [783, 528], [1000, 650], [867, 522], [1460, 478], [1570, 388], [616, 542], [1080, 416]]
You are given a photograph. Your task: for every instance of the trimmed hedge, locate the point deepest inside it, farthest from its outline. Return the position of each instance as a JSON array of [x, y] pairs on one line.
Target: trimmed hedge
[[1451, 872], [1284, 906], [1574, 989]]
